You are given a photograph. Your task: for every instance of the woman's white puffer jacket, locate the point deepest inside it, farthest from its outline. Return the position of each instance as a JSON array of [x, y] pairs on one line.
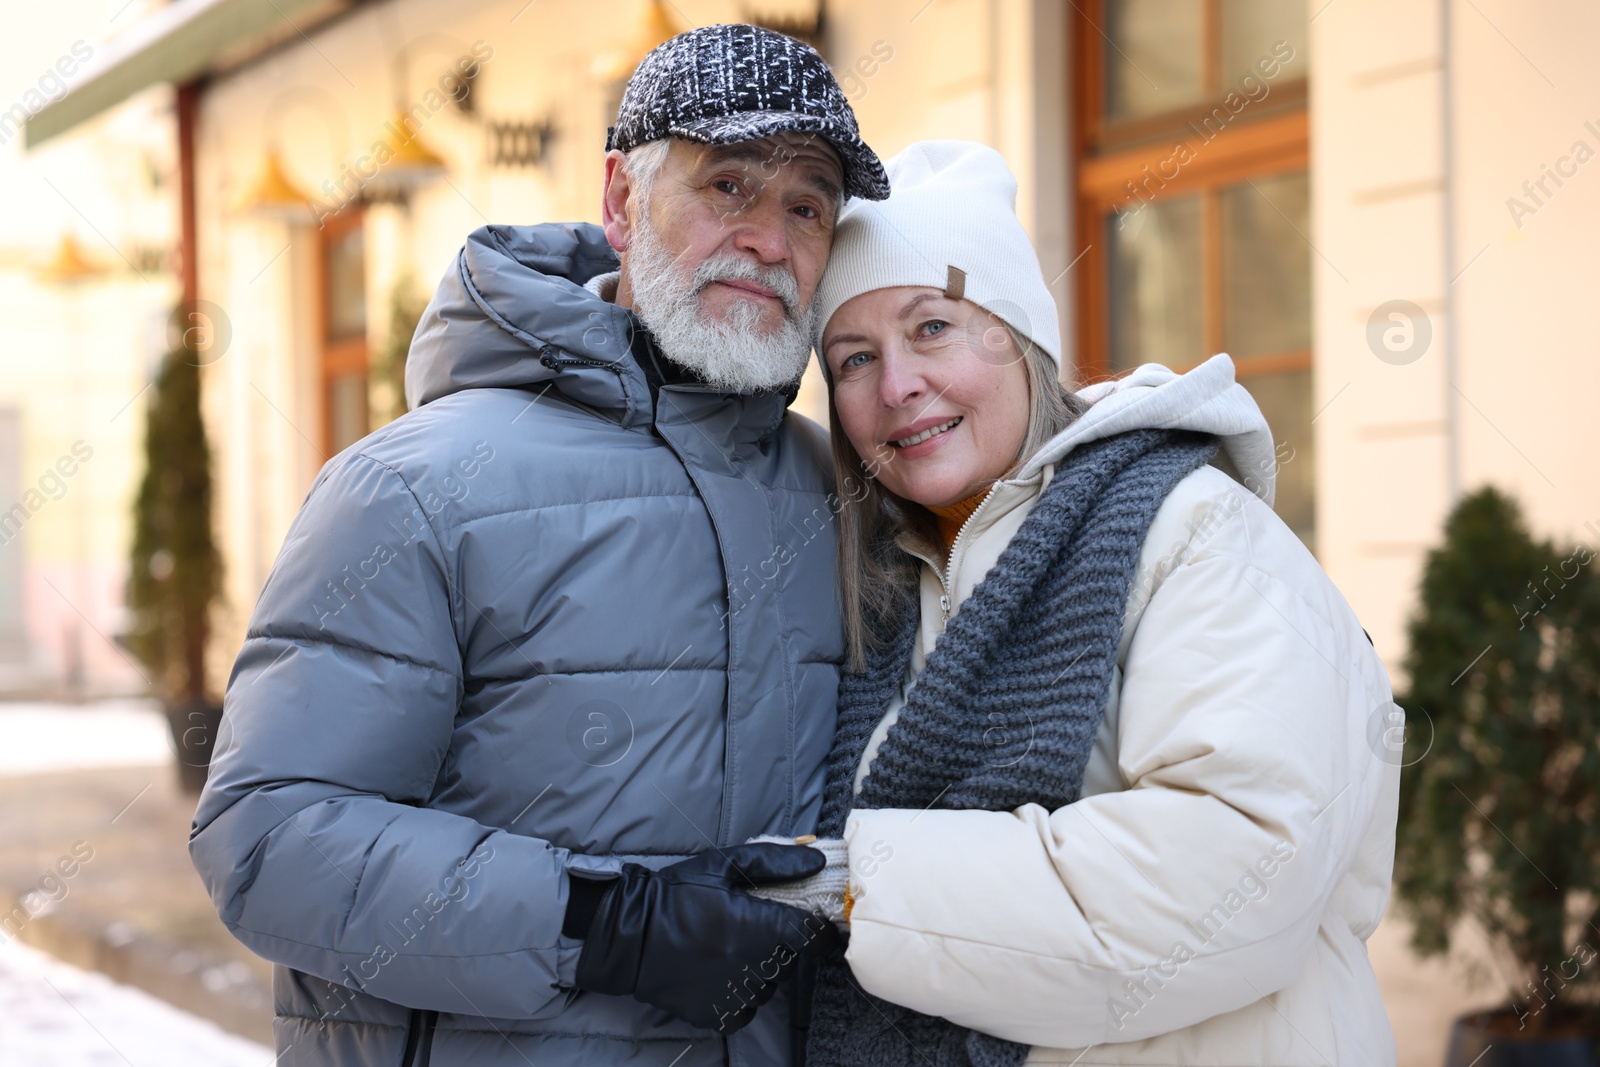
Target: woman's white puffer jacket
[[1208, 900]]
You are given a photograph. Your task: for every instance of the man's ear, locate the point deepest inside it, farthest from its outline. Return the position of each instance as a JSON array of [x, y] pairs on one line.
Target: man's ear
[[616, 203]]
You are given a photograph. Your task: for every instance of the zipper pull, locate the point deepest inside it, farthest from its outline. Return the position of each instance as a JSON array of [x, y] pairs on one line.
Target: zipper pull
[[547, 356], [944, 604]]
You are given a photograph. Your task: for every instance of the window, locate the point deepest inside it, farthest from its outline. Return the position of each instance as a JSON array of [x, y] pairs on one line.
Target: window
[[1192, 195], [344, 331]]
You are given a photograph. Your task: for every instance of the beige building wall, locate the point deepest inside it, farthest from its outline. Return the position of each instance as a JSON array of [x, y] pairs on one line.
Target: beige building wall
[[1404, 210], [1378, 195], [1528, 103], [77, 354], [74, 362]]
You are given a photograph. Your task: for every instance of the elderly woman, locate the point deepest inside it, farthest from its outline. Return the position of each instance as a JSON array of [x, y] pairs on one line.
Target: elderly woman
[[1103, 770]]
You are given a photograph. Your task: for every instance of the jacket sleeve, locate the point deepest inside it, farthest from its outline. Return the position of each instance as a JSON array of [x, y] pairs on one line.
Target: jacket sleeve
[[312, 835], [1199, 889]]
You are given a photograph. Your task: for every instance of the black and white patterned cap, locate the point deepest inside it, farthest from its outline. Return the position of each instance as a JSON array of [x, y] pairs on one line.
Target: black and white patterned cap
[[730, 83]]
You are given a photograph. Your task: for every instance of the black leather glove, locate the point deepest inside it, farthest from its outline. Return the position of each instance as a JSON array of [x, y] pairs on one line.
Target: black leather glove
[[689, 940]]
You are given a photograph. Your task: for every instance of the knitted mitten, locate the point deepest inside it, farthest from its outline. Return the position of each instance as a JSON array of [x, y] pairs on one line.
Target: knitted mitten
[[822, 893]]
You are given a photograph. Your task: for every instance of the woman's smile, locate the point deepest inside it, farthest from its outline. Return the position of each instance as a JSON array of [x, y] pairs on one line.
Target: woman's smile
[[922, 437]]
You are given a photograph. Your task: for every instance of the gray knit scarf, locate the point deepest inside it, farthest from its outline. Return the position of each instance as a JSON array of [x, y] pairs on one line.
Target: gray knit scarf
[[1005, 712]]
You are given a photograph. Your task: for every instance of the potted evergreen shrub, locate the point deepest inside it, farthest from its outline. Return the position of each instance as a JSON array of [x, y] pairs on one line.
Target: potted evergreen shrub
[[1500, 798], [175, 571]]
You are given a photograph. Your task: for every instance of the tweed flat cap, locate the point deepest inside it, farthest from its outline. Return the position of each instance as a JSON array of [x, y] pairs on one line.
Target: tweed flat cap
[[729, 83]]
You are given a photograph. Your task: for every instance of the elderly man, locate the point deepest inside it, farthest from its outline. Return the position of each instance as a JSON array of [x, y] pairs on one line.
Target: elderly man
[[539, 658]]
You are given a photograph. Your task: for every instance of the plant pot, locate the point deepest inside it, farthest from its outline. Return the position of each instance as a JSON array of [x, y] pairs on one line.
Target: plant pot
[[194, 726], [1496, 1039]]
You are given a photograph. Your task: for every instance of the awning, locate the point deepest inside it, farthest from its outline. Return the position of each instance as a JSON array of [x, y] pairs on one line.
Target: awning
[[178, 43]]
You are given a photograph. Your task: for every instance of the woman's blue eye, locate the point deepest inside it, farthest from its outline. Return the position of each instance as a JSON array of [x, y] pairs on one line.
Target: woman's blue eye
[[934, 326], [850, 361]]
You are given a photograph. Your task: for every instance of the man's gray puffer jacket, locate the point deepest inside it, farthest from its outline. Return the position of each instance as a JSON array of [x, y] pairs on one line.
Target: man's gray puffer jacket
[[541, 622]]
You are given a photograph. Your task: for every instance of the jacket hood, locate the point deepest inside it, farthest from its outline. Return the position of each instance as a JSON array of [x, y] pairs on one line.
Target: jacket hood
[[512, 312], [1207, 399]]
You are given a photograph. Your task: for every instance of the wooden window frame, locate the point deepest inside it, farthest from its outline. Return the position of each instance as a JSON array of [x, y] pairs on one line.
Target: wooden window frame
[[339, 356], [1110, 157]]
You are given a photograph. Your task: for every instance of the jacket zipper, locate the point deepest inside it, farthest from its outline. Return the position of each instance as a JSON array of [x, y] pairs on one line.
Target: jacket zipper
[[419, 1038], [548, 357], [947, 576]]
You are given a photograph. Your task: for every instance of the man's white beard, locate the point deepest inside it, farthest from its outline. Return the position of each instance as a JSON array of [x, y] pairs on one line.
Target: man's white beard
[[737, 354]]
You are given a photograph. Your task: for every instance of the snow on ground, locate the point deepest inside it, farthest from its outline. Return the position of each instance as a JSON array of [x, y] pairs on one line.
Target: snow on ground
[[55, 1015], [38, 737]]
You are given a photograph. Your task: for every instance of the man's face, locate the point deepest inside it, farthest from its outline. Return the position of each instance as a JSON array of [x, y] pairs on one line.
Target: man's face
[[722, 262], [772, 203]]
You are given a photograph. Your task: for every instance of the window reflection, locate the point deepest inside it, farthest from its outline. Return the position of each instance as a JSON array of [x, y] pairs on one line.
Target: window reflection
[[1248, 30], [345, 262], [1154, 63], [1266, 264], [347, 410], [1155, 284], [1170, 55]]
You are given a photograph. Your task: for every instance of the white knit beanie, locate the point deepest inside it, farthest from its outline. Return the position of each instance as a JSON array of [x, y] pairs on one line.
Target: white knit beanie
[[950, 223]]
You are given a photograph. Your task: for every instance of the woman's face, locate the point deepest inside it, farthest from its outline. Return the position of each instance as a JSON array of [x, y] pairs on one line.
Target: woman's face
[[932, 392]]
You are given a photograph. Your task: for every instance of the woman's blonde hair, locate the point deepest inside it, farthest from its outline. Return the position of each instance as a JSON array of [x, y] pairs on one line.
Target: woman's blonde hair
[[877, 578]]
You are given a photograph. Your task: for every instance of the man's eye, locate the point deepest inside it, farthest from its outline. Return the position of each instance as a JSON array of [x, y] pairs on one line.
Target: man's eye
[[807, 211], [726, 185]]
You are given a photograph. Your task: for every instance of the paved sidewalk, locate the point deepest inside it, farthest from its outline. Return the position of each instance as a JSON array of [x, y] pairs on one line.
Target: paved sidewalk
[[59, 1016], [94, 863]]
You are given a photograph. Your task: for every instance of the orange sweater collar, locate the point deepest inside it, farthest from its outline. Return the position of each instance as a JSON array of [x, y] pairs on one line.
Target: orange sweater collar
[[949, 520]]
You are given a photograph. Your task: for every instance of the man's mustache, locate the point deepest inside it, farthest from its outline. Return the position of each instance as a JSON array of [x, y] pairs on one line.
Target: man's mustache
[[733, 268]]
